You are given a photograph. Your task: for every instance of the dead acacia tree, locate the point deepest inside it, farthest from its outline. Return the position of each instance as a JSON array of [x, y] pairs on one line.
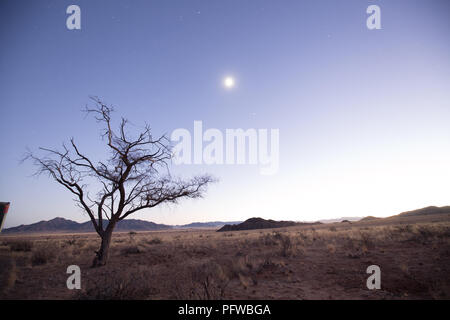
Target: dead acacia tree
[[134, 177]]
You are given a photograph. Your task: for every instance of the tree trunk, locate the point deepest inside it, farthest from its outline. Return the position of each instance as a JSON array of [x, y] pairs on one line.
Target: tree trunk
[[102, 254]]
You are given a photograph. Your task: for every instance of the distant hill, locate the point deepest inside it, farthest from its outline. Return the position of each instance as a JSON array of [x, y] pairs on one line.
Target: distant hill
[[57, 224], [260, 223], [425, 211], [68, 226], [64, 225], [213, 224], [369, 218], [139, 225], [340, 219], [414, 213]]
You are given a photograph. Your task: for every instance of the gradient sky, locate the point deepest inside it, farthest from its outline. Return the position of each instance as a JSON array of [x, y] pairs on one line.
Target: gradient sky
[[364, 115]]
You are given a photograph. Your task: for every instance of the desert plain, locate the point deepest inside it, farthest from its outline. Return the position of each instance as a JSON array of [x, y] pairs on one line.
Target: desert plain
[[323, 261]]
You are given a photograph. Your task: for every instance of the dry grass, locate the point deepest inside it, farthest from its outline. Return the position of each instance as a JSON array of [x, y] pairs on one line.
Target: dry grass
[[205, 281], [132, 285], [155, 240], [20, 245], [319, 262], [8, 274], [44, 253]]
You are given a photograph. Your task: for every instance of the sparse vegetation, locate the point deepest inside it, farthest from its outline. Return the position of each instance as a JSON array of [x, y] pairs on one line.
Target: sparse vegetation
[[131, 249], [300, 262], [43, 254], [8, 274], [21, 245], [155, 240], [132, 285]]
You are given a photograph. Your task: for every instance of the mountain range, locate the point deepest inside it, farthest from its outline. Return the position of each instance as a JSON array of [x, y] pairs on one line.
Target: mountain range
[[69, 226], [57, 225], [260, 223], [426, 211]]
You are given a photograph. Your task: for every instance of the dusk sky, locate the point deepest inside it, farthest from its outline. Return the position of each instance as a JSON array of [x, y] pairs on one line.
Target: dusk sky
[[363, 115]]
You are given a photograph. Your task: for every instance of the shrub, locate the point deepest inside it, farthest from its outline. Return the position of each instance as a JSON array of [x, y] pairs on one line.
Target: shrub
[[8, 274], [207, 281], [132, 249], [270, 239], [126, 285], [154, 241], [70, 242], [287, 247], [424, 234], [366, 240], [331, 248], [21, 245], [42, 255]]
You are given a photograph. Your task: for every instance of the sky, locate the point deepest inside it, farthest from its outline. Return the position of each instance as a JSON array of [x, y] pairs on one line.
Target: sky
[[363, 115]]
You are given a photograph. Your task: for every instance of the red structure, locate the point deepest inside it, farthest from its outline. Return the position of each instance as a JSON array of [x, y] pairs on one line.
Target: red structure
[[4, 206]]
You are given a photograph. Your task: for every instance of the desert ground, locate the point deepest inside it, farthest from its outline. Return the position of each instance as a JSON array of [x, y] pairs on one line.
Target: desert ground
[[326, 261]]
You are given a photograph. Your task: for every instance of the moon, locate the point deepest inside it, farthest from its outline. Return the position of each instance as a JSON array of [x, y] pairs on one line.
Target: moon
[[228, 82]]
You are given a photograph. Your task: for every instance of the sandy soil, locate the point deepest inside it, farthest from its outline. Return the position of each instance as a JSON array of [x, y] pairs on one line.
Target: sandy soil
[[308, 262]]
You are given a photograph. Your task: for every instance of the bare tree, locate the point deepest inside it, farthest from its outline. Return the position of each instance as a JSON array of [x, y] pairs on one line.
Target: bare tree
[[134, 177]]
